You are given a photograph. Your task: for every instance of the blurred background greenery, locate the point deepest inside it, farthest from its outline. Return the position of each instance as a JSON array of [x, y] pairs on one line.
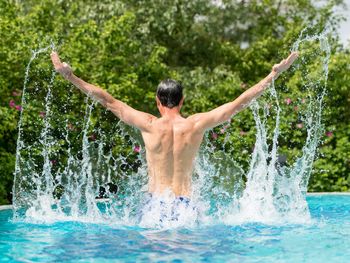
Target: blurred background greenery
[[217, 49]]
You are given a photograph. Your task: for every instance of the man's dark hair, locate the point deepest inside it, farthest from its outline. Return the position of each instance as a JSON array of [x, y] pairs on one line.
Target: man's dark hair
[[169, 92]]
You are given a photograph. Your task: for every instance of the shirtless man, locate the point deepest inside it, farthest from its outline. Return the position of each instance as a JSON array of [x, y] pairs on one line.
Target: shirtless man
[[171, 141]]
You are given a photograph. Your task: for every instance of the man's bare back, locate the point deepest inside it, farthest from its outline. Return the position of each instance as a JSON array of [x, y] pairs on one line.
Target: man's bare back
[[171, 141], [171, 146]]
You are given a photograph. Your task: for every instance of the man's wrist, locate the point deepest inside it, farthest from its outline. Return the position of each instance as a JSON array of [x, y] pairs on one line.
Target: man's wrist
[[274, 74], [69, 76]]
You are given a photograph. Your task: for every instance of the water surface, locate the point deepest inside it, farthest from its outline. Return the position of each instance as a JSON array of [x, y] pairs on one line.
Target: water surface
[[326, 239]]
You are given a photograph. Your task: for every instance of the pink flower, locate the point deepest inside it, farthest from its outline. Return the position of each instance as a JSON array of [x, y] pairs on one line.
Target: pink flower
[[12, 104], [288, 101], [214, 135], [16, 93], [92, 137], [137, 148], [243, 85], [242, 133], [303, 101], [299, 125], [223, 129], [329, 134], [53, 162], [296, 108], [42, 114], [18, 107]]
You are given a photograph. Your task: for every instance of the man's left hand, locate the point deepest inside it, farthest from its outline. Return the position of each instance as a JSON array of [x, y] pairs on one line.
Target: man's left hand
[[285, 63]]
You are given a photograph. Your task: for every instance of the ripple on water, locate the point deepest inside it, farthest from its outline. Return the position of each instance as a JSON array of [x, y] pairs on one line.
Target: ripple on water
[[326, 238]]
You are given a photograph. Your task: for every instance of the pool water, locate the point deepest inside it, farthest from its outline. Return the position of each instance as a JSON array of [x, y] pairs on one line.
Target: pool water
[[327, 239]]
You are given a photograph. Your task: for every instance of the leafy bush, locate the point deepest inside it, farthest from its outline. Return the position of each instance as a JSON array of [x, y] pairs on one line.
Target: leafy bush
[[128, 46]]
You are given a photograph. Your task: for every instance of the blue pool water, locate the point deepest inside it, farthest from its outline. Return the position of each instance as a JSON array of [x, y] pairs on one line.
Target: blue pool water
[[327, 239]]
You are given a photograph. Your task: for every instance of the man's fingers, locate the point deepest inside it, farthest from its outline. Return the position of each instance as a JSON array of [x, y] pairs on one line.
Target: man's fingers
[[292, 57], [286, 63], [55, 59]]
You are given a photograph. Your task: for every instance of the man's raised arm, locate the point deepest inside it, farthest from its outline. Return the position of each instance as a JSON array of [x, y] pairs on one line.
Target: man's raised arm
[[126, 113], [208, 120]]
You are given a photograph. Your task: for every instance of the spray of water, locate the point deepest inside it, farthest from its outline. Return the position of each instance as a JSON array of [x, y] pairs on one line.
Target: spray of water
[[82, 187], [275, 193], [20, 190]]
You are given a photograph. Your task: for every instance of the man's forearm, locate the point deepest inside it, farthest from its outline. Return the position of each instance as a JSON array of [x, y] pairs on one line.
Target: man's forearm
[[92, 91], [223, 113], [256, 91]]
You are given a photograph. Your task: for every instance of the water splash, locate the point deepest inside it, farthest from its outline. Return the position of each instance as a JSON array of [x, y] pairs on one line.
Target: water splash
[[102, 156], [20, 163], [275, 193]]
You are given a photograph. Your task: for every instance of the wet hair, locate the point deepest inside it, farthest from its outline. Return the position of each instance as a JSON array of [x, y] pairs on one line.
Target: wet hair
[[169, 92]]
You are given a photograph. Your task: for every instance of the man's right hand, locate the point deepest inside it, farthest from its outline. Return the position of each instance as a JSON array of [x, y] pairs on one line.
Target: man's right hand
[[63, 68]]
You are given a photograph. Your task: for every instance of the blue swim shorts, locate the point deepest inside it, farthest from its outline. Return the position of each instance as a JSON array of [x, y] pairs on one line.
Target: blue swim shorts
[[164, 209]]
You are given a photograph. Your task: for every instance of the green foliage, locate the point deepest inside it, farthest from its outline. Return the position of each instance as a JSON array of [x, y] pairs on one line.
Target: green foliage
[[127, 47]]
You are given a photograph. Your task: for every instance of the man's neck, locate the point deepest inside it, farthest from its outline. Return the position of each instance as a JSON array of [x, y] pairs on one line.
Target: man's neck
[[172, 113]]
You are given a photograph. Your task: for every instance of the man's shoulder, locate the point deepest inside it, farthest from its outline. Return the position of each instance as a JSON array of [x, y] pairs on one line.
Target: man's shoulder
[[194, 118], [194, 122]]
